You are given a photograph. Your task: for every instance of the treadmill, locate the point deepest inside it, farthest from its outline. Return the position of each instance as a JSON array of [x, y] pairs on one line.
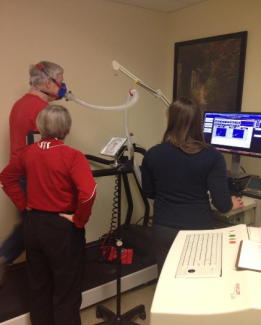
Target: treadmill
[[100, 277]]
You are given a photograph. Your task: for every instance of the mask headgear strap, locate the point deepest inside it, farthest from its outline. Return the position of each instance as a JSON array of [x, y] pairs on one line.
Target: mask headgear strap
[[46, 92], [47, 75]]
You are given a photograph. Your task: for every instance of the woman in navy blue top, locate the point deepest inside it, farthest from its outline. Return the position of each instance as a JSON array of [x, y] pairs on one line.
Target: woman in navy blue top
[[178, 173]]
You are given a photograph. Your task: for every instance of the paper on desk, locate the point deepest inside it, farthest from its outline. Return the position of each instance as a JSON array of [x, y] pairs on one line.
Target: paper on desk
[[254, 233], [249, 256]]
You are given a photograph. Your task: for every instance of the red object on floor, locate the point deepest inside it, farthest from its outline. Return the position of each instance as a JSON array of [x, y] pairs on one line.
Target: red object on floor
[[126, 254]]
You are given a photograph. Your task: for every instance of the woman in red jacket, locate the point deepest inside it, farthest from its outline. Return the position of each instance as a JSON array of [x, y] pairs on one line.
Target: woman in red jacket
[[60, 194]]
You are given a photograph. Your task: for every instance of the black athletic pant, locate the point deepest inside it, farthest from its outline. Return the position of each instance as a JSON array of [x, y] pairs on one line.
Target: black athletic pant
[[162, 239], [55, 250]]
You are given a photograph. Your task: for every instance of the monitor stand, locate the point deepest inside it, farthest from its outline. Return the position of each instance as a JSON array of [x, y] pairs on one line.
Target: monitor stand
[[234, 171]]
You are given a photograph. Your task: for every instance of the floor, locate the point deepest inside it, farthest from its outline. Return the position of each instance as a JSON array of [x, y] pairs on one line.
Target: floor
[[142, 295]]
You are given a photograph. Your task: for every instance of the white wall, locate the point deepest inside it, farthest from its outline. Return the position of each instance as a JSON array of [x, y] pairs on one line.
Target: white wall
[[84, 37]]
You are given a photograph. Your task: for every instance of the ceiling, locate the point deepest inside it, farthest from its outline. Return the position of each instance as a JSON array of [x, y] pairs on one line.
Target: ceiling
[[166, 6]]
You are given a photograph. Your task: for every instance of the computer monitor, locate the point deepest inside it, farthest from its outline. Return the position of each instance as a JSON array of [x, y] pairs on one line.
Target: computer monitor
[[237, 133]]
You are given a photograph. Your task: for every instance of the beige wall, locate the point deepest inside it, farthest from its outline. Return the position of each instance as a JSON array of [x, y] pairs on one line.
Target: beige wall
[[85, 36], [217, 17]]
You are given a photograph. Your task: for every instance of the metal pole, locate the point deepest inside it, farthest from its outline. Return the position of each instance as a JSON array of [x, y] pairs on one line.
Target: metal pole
[[119, 246]]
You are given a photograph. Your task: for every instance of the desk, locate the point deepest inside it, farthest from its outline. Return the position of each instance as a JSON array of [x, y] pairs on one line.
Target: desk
[[233, 298], [249, 215]]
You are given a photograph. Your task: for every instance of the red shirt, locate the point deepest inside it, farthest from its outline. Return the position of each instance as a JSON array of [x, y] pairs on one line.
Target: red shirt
[[59, 179], [23, 119]]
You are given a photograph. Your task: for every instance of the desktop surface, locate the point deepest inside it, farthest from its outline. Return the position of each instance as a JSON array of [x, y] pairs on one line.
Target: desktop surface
[[232, 298]]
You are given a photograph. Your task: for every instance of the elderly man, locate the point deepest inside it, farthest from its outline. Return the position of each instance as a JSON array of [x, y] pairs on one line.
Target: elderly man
[[46, 85]]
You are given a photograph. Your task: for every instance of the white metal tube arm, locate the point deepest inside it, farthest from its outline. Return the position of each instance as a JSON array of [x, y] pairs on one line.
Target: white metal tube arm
[[156, 92]]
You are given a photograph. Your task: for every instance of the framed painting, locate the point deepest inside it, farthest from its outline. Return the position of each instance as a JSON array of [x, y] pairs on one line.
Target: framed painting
[[211, 71]]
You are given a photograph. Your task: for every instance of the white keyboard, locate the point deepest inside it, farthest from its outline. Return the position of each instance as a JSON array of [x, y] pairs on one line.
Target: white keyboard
[[201, 256]]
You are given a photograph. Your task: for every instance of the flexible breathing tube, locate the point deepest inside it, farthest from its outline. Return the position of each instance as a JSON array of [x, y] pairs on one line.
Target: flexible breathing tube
[[131, 101]]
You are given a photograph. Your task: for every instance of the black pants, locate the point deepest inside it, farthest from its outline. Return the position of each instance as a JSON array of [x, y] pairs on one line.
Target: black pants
[[13, 246], [162, 239], [55, 250]]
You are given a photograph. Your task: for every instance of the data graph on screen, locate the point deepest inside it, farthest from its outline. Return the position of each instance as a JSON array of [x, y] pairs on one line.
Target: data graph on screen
[[234, 132]]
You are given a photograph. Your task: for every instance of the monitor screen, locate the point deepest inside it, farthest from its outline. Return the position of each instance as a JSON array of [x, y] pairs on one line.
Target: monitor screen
[[254, 184], [233, 132]]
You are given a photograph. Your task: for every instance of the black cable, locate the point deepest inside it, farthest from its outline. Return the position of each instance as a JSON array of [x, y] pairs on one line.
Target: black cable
[[150, 218], [115, 205], [139, 220], [108, 241], [243, 169], [140, 146], [139, 149]]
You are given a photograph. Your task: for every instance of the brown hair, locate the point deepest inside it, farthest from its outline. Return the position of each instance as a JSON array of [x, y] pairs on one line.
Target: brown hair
[[185, 126]]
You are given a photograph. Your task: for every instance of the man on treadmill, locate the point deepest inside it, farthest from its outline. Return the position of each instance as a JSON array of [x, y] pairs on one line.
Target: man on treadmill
[[46, 81]]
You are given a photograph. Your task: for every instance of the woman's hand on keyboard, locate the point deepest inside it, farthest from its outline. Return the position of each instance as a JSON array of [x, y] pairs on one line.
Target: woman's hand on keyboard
[[238, 203]]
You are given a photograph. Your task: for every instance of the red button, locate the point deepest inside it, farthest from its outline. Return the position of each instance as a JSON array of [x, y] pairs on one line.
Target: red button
[[232, 242]]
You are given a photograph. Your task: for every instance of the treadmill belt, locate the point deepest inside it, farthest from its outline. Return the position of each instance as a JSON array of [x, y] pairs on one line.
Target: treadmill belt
[[14, 295]]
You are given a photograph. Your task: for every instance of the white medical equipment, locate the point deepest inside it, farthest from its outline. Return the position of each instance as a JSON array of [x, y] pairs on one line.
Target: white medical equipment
[[232, 298], [156, 92], [113, 146], [201, 256]]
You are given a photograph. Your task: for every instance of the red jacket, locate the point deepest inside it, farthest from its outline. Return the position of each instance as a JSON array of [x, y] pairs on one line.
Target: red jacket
[[23, 119], [59, 179]]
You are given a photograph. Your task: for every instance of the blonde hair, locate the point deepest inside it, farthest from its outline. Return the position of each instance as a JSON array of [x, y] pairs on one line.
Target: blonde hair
[[54, 121], [52, 69]]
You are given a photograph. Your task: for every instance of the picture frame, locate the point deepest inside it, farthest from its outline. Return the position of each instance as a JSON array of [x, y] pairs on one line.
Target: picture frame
[[211, 71]]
